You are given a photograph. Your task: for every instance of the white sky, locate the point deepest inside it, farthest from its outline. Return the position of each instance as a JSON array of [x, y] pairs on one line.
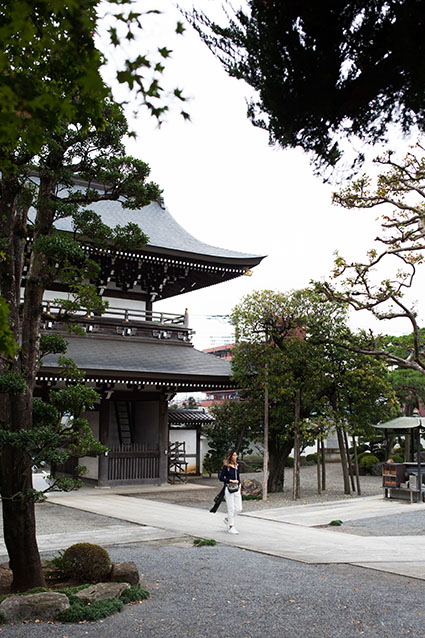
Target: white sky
[[227, 187]]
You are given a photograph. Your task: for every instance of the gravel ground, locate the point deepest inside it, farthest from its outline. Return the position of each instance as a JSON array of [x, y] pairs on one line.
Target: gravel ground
[[370, 486], [408, 524], [221, 591], [55, 519]]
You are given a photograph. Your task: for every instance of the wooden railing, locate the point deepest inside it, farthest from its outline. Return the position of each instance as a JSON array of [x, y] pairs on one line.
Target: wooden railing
[[133, 462], [123, 314]]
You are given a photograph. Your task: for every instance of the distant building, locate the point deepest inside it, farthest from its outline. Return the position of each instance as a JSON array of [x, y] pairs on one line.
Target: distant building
[[217, 396]]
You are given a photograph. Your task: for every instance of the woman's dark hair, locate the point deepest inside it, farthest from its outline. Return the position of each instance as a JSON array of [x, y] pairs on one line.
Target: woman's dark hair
[[228, 457]]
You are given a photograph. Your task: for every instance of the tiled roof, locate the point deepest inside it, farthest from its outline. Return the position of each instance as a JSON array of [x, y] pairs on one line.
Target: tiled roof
[[123, 357], [163, 230], [182, 416]]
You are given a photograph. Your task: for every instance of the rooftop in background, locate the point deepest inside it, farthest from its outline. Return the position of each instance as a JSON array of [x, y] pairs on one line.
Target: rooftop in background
[[184, 416], [223, 352]]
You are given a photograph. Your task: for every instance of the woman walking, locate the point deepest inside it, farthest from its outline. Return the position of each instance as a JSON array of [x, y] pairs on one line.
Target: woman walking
[[232, 482]]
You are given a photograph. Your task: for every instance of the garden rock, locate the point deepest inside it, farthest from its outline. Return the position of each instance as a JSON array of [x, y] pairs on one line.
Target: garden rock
[[101, 591], [251, 487], [244, 467], [125, 573], [42, 606], [6, 577]]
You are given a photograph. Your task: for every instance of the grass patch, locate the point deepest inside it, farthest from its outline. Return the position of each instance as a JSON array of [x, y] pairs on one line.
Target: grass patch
[[82, 610], [252, 497], [336, 523], [201, 542]]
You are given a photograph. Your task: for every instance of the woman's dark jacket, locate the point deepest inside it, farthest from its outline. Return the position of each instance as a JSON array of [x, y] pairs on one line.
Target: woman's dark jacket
[[229, 473]]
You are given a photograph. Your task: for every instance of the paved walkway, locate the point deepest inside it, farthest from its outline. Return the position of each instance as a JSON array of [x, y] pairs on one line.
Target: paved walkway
[[287, 532]]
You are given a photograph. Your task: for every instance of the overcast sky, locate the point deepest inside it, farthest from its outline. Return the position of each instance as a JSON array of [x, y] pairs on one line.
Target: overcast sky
[[226, 186]]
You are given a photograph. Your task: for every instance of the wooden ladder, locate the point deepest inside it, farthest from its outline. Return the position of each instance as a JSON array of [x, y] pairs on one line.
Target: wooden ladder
[[177, 464], [123, 414]]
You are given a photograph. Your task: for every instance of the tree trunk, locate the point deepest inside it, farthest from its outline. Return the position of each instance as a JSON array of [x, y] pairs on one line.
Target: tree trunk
[[266, 437], [318, 461], [356, 465], [322, 447], [278, 453], [19, 523], [350, 467], [18, 507], [16, 406], [296, 492], [343, 460]]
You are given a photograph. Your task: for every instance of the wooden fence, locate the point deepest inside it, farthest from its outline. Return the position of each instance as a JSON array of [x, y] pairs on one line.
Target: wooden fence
[[133, 462]]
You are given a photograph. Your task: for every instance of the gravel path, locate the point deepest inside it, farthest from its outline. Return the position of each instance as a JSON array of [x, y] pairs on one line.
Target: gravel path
[[370, 486], [221, 591]]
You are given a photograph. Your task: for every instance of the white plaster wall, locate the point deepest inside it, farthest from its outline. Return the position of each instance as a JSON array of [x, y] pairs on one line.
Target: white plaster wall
[[188, 437]]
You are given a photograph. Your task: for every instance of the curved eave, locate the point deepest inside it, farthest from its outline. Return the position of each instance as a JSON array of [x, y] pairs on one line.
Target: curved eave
[[245, 261], [164, 232]]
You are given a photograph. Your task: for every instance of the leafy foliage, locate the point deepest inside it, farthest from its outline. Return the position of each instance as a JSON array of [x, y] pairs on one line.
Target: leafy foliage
[[81, 610], [324, 71], [204, 542], [232, 425], [134, 593], [295, 343], [8, 345], [51, 67]]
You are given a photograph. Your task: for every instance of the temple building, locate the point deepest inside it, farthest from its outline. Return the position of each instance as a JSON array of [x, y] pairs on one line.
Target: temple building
[[137, 358]]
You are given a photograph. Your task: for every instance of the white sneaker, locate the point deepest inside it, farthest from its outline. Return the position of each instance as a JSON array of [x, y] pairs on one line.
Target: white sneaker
[[226, 521], [233, 530]]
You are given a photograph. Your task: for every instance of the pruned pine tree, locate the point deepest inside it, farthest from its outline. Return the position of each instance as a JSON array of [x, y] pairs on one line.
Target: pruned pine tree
[[36, 192]]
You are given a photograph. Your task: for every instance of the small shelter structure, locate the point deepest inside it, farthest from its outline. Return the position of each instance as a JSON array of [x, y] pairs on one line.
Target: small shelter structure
[[404, 480]]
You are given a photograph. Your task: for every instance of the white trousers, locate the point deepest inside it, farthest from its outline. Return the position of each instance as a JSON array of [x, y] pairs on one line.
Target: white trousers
[[234, 505]]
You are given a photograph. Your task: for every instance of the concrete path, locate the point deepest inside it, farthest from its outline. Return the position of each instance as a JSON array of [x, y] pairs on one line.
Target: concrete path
[[347, 510], [114, 535], [286, 532]]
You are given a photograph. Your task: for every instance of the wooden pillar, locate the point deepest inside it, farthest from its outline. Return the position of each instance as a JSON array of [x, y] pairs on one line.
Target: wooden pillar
[[103, 438], [198, 449], [163, 439]]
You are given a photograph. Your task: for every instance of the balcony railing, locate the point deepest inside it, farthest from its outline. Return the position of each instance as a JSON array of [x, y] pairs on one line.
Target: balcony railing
[[125, 315]]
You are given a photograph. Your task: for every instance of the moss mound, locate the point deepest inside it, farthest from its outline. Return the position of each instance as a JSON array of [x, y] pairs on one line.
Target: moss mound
[[86, 562]]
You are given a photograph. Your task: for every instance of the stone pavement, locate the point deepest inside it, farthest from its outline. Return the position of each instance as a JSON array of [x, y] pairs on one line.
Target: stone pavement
[[288, 532]]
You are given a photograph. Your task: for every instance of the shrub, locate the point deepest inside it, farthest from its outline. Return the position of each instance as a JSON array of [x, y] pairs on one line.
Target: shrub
[[397, 458], [81, 610], [311, 459], [86, 562], [289, 462], [201, 542], [134, 594], [366, 461]]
